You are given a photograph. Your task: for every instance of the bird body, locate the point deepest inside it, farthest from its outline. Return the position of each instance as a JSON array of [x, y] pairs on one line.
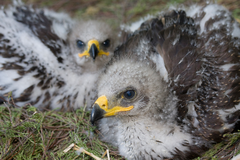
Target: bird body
[[41, 57], [172, 90]]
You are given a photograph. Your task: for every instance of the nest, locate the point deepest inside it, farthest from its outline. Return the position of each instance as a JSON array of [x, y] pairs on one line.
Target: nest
[[27, 133]]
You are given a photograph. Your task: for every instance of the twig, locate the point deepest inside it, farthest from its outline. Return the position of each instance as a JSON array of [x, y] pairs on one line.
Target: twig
[[13, 152], [43, 140], [49, 139], [84, 108], [75, 157], [10, 113], [57, 142], [104, 154], [108, 154], [86, 152], [57, 128], [68, 148], [13, 102], [34, 144]]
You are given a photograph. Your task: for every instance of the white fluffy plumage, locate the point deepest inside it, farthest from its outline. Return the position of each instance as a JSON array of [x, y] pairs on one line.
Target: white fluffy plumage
[[172, 90], [40, 57]]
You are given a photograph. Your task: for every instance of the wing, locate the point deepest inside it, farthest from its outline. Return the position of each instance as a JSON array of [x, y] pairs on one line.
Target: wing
[[203, 70], [36, 64], [42, 27], [31, 59]]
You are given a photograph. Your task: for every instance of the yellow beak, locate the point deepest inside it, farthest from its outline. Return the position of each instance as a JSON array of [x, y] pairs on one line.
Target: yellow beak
[[93, 50], [101, 109]]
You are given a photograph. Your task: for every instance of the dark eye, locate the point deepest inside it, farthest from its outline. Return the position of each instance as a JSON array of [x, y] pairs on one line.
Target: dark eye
[[106, 43], [129, 94], [80, 44]]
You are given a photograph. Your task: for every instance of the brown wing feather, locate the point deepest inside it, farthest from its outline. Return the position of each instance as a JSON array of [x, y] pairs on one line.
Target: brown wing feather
[[194, 63], [41, 26]]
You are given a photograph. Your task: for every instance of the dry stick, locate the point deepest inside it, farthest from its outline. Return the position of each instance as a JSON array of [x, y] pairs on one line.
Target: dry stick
[[55, 140], [86, 152], [49, 139], [34, 144], [44, 148], [59, 141], [108, 156], [13, 102], [104, 154], [68, 148], [76, 157], [60, 137]]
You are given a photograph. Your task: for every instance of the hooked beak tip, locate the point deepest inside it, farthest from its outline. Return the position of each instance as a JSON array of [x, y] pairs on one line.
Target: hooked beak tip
[[93, 51], [97, 113]]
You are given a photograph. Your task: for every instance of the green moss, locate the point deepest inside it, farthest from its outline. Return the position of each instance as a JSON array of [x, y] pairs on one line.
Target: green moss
[[236, 13], [228, 148], [28, 133]]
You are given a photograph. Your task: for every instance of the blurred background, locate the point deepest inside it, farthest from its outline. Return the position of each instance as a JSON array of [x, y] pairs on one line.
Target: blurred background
[[117, 12]]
